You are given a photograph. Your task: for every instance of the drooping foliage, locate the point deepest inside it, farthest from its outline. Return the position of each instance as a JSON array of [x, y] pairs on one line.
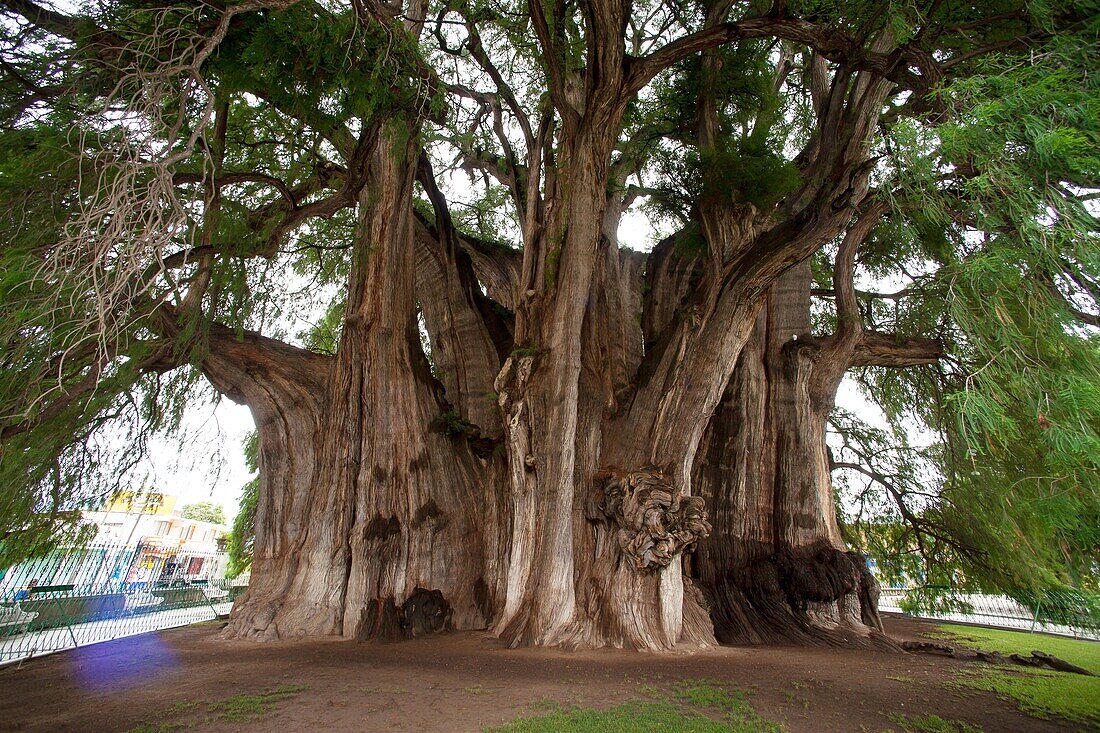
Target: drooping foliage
[[242, 537], [1001, 259]]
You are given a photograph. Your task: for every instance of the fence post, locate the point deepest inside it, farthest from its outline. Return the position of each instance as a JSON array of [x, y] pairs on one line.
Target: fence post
[[1035, 615], [210, 602]]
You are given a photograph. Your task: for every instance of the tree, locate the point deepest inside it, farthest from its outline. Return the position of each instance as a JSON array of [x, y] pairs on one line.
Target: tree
[[578, 444], [204, 511]]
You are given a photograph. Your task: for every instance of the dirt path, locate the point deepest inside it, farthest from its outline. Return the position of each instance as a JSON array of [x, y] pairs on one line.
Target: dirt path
[[465, 682]]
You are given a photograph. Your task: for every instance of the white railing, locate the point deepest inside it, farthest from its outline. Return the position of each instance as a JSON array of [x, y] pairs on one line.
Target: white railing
[[987, 610]]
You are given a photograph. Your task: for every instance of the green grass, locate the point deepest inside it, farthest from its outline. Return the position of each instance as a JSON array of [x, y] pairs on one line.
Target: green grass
[[1082, 653], [707, 694], [248, 707], [1041, 693], [682, 714], [153, 728], [239, 708], [932, 724]]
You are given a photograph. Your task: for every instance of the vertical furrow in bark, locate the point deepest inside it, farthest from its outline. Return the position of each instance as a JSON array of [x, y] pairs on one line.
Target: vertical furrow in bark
[[734, 473], [805, 512], [372, 497], [468, 337], [413, 506], [541, 397], [670, 276], [617, 608]]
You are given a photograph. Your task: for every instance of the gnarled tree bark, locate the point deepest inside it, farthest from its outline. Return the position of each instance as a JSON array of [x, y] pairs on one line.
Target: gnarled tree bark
[[384, 499]]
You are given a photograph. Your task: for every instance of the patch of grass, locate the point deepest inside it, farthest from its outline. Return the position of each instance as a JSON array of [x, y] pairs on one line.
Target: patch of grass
[[547, 704], [1082, 653], [932, 724], [683, 713], [739, 712], [1041, 693], [707, 694], [153, 728], [475, 690], [1038, 692], [177, 708], [249, 707], [626, 718]]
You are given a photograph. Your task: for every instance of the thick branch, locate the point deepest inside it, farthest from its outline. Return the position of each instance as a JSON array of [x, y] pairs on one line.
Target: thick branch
[[830, 44], [888, 350], [1089, 319], [69, 27], [252, 369], [556, 75], [834, 357]]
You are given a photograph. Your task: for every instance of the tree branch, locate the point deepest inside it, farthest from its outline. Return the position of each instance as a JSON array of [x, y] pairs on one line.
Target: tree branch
[[830, 44], [876, 348]]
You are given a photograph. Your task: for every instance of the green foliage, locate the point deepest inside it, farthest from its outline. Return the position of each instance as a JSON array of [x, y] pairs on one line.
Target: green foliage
[[50, 462], [324, 336], [934, 600], [204, 511], [991, 226], [452, 423], [744, 165], [526, 350], [243, 535], [746, 172], [317, 63]]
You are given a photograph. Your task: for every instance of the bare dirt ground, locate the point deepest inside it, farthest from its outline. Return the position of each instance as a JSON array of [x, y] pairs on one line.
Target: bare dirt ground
[[466, 682]]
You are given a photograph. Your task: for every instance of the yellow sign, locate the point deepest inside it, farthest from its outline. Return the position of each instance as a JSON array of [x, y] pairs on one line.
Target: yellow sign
[[134, 502]]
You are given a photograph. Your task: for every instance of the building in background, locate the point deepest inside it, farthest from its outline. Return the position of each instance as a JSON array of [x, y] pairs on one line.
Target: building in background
[[141, 540]]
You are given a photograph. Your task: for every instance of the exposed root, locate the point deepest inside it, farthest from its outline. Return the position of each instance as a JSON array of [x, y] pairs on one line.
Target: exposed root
[[815, 596], [1037, 658]]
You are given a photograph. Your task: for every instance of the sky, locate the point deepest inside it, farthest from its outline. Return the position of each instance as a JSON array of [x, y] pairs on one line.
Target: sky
[[207, 463]]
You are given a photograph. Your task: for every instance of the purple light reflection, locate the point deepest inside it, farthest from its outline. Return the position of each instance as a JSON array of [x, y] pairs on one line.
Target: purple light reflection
[[121, 664]]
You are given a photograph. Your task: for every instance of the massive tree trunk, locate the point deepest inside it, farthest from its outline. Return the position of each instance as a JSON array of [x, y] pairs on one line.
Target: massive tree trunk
[[776, 568], [560, 515], [572, 531], [366, 495]]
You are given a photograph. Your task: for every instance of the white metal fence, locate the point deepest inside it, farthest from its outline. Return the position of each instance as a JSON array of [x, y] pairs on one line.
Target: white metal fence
[[71, 597], [992, 610]]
